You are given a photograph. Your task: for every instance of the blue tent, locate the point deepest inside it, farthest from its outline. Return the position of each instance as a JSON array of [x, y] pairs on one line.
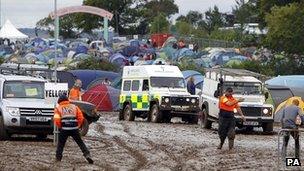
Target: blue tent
[[118, 59], [5, 50], [291, 81], [87, 76], [38, 42], [184, 52], [222, 58], [198, 77], [81, 49], [130, 51], [135, 43]]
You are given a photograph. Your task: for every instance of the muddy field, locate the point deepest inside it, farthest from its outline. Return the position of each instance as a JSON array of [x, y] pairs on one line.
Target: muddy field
[[117, 145]]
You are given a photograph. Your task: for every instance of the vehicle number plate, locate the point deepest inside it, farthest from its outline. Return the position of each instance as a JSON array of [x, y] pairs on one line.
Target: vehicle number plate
[[251, 123], [38, 119]]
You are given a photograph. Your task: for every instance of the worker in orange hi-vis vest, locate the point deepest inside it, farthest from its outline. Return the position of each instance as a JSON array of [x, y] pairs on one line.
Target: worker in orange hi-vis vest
[[75, 92], [69, 118], [227, 105]]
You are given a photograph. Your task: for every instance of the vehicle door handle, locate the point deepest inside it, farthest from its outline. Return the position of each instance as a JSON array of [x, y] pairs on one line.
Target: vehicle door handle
[[214, 103]]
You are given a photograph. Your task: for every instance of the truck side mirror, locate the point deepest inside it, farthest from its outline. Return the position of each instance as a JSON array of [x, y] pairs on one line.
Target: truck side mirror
[[266, 95], [216, 93]]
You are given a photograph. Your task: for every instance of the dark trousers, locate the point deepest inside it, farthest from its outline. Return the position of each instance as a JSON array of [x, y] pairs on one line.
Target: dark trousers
[[295, 135], [63, 136], [226, 128]]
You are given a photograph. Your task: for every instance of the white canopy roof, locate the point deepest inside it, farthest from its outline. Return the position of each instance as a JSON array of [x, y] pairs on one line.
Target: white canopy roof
[[9, 31]]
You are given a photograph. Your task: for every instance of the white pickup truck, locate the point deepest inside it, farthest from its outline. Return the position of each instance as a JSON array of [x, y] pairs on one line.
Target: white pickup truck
[[245, 85]]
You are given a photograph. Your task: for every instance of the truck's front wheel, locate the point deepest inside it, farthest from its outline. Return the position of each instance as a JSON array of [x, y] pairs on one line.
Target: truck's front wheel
[[121, 116], [3, 133], [128, 113], [155, 114], [267, 127], [193, 119], [206, 123], [166, 116]]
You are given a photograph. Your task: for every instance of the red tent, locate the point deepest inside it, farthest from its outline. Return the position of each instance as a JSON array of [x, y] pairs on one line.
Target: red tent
[[100, 96]]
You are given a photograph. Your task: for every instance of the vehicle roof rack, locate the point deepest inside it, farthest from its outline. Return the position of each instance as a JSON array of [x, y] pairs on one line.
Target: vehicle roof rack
[[34, 70], [237, 72]]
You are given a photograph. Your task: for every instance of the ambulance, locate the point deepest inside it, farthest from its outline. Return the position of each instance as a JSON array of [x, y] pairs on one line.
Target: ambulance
[[158, 93]]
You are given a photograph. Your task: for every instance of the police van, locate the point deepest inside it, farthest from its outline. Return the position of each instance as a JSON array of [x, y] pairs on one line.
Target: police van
[[156, 92]]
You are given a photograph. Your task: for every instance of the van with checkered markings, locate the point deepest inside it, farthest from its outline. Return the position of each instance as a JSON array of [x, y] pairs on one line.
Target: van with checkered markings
[[158, 93]]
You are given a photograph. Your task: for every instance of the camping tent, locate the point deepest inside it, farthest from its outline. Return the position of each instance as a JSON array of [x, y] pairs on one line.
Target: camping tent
[[294, 81], [198, 77], [279, 111], [9, 31], [118, 59], [103, 96], [87, 76]]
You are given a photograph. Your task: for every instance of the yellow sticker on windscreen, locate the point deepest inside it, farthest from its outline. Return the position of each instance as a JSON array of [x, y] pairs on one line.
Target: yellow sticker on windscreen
[[31, 92]]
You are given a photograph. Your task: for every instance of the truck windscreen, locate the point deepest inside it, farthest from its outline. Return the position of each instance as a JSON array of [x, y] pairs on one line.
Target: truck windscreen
[[172, 82], [23, 89], [244, 88]]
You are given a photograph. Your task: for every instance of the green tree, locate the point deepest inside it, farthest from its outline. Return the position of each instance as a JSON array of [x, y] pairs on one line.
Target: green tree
[[285, 29], [66, 27], [193, 18], [153, 8], [265, 6], [245, 12], [213, 20], [96, 64], [125, 16], [183, 28], [160, 24]]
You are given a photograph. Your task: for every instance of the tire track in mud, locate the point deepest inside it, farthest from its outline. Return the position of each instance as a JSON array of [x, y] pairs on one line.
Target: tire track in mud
[[141, 160], [179, 160], [100, 128]]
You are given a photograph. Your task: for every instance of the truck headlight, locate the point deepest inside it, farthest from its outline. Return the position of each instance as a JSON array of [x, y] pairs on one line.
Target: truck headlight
[[13, 111], [167, 100], [266, 111], [193, 100], [187, 99]]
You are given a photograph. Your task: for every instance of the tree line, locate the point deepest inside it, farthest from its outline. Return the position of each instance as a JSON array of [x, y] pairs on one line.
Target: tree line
[[283, 20]]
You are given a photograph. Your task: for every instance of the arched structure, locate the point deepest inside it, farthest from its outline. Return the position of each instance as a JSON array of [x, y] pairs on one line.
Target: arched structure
[[87, 9]]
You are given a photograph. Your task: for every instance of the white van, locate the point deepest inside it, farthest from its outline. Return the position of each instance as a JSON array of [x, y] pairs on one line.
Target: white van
[[156, 92]]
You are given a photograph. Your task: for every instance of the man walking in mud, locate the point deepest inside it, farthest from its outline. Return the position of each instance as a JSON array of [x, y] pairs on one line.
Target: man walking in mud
[[227, 104], [291, 119], [69, 118]]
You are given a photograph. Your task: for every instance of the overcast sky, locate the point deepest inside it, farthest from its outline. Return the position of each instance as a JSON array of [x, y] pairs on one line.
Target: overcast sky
[[25, 13]]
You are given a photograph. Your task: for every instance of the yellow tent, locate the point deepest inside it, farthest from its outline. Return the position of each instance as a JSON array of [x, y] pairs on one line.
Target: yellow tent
[[289, 102]]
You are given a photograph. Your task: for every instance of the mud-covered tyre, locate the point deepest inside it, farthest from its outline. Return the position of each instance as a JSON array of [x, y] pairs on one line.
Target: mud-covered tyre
[[206, 122], [155, 114], [193, 119], [267, 127], [3, 132], [83, 130], [41, 136], [128, 114], [121, 116]]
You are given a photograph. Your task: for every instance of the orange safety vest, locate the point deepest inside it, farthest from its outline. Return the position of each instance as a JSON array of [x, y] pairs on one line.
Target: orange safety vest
[[224, 99], [74, 94], [68, 116]]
